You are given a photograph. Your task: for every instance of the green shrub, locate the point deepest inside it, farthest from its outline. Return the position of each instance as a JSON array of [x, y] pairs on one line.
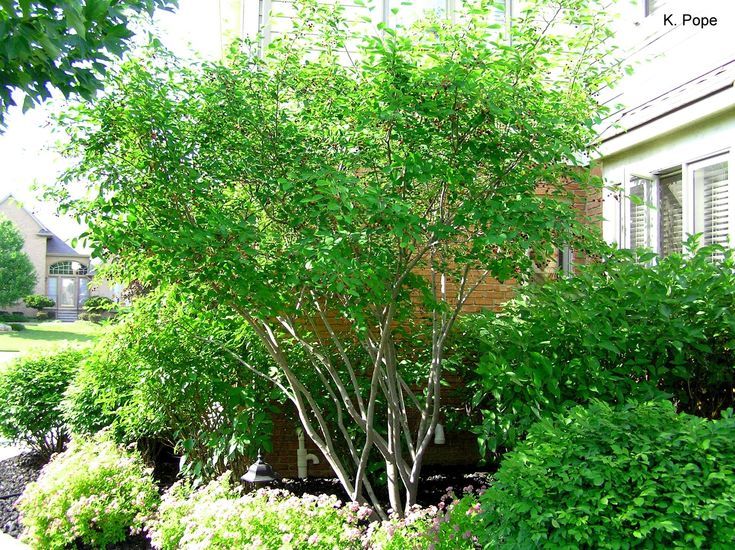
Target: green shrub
[[42, 316], [91, 317], [31, 390], [218, 517], [641, 476], [17, 327], [97, 304], [616, 330], [38, 301], [18, 316], [95, 493], [152, 376]]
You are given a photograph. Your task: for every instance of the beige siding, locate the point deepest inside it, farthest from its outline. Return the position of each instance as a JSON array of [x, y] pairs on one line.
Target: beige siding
[[34, 245]]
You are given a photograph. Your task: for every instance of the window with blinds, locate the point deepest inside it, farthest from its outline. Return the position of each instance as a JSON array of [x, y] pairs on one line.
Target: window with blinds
[[711, 203], [670, 213], [689, 199], [653, 5], [638, 214]]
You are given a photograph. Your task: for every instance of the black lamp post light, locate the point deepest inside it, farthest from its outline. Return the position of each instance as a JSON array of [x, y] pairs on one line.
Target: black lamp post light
[[259, 473]]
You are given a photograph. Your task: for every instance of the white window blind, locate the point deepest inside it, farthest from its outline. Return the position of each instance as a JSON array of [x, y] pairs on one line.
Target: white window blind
[[711, 203], [670, 213], [653, 5], [638, 218]]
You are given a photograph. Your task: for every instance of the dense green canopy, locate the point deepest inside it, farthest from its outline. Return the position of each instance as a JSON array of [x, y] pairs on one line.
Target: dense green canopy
[[50, 44], [323, 190]]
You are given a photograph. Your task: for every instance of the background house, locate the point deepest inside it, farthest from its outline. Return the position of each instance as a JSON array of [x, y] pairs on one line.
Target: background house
[[63, 274], [670, 135]]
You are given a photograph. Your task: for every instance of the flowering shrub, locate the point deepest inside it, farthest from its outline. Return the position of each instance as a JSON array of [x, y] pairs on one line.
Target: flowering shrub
[[95, 493], [452, 524], [218, 516]]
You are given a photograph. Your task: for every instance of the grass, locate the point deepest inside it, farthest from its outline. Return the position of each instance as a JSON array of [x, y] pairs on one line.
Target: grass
[[37, 338]]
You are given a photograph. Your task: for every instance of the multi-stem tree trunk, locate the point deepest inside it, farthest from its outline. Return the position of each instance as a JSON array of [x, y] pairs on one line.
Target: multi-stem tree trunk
[[400, 445]]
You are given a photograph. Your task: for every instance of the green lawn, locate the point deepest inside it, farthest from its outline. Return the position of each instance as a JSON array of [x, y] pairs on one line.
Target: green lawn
[[43, 336]]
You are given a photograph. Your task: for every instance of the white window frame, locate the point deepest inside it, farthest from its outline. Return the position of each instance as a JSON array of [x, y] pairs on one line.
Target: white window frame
[[646, 13], [689, 226], [651, 198]]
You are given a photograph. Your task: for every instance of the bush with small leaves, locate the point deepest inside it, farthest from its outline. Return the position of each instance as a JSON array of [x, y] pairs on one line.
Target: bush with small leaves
[[641, 476], [38, 301], [91, 317], [217, 516], [154, 375], [618, 329], [95, 493], [98, 304], [31, 391], [17, 327]]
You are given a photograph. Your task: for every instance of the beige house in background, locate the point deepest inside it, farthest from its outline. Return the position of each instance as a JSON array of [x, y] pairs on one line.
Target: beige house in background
[[63, 274]]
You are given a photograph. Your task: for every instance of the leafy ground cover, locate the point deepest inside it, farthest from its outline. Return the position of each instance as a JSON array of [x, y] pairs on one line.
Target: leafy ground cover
[[45, 336]]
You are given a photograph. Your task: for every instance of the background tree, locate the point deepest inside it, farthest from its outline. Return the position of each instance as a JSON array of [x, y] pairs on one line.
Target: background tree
[[62, 45], [17, 275], [347, 205]]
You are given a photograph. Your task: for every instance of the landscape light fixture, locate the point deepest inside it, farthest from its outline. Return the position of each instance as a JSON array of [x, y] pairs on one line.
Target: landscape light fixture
[[259, 472]]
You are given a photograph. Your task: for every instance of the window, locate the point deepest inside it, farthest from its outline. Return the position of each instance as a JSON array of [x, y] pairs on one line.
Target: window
[[67, 267], [652, 6], [405, 12], [83, 293], [711, 211], [566, 260], [638, 216], [662, 210], [670, 215], [52, 288]]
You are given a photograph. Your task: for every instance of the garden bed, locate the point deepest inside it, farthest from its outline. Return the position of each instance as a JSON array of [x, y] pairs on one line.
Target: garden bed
[[15, 474], [18, 471]]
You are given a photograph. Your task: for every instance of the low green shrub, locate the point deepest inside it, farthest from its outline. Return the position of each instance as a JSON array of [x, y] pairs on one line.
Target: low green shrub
[[43, 316], [153, 376], [217, 516], [38, 301], [95, 493], [31, 391], [616, 330], [91, 317], [17, 327], [98, 304], [6, 317], [641, 476]]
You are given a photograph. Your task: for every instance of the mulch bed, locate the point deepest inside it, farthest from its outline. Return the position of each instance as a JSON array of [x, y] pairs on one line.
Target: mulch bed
[[15, 474]]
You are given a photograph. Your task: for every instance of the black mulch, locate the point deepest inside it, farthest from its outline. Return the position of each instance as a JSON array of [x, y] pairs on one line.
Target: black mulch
[[15, 474]]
